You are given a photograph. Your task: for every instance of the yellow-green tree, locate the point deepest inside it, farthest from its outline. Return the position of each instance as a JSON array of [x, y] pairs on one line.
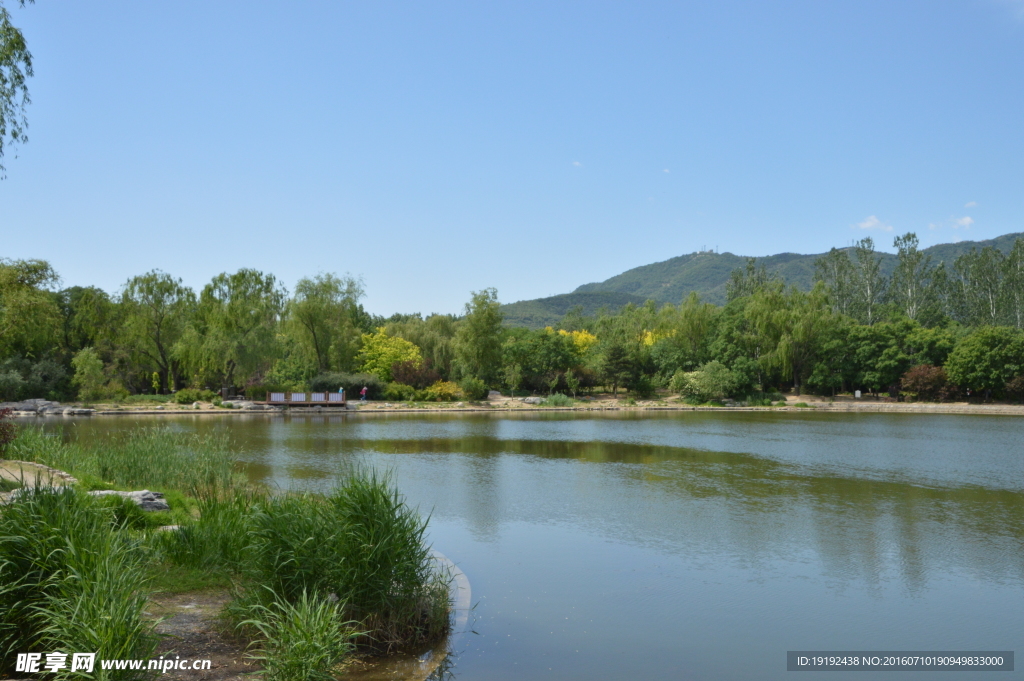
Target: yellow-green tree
[[380, 352]]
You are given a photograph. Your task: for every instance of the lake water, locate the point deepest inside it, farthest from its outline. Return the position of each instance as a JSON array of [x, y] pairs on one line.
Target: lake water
[[688, 545]]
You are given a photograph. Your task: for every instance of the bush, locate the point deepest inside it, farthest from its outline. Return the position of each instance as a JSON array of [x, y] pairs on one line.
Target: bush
[[927, 382], [643, 387], [352, 383], [473, 388], [1014, 388], [190, 395], [443, 391], [713, 381], [418, 375], [399, 392], [8, 431], [558, 400]]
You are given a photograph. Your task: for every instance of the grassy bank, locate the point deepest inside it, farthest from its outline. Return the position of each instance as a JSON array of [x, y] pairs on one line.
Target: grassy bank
[[313, 577]]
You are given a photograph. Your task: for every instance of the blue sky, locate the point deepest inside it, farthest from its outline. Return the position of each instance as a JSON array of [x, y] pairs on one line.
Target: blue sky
[[439, 148]]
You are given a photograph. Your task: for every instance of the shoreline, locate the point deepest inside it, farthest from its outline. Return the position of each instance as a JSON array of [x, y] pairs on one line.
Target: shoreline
[[372, 408]]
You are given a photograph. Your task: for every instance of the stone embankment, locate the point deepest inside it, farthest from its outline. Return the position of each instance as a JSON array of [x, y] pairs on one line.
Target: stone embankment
[[38, 407]]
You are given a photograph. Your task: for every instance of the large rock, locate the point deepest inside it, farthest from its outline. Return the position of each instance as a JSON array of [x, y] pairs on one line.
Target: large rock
[[533, 400], [146, 500], [493, 395]]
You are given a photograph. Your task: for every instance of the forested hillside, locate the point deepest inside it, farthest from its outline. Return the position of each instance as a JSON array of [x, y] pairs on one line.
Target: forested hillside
[[706, 273]]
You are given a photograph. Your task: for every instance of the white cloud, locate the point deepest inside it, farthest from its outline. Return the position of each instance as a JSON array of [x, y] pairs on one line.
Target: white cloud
[[872, 222], [665, 170], [970, 204], [965, 222], [577, 164], [932, 225]]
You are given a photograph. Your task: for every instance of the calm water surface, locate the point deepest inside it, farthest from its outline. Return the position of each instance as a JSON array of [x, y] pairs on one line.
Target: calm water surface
[[689, 545]]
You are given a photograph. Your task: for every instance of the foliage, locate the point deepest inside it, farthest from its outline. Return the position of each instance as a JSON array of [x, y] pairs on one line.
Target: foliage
[[21, 378], [478, 337], [927, 383], [190, 395], [987, 358], [1014, 388], [399, 392], [8, 431], [146, 458], [156, 310], [75, 583], [352, 383], [89, 376], [29, 316], [232, 336], [417, 375], [15, 69], [473, 388], [713, 381], [324, 317], [380, 352], [558, 400], [301, 640], [443, 391]]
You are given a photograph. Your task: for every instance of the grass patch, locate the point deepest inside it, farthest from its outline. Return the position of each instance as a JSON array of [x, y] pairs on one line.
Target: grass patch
[[147, 399], [176, 579], [8, 485]]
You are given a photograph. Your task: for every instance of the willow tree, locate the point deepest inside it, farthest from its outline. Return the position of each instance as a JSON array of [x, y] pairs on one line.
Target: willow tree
[[322, 318], [232, 336], [791, 325], [15, 69], [156, 309], [478, 337]]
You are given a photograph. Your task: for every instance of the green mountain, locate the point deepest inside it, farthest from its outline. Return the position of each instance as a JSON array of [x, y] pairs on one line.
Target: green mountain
[[670, 281]]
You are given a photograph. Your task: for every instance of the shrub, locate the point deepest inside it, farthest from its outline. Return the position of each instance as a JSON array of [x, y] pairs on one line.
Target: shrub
[[190, 395], [473, 388], [713, 381], [399, 392], [443, 391], [1014, 388], [352, 383], [643, 387], [927, 382], [379, 352], [558, 400], [418, 375], [8, 431]]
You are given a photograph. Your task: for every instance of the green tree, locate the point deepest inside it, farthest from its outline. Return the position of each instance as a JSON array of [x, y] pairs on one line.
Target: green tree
[[791, 325], [233, 335], [89, 318], [479, 336], [748, 281], [911, 286], [29, 316], [157, 309], [15, 69], [869, 284], [89, 377], [987, 358], [380, 352], [977, 287], [323, 317], [836, 272], [1013, 285]]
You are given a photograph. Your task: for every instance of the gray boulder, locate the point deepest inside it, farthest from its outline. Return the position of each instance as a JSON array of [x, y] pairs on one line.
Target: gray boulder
[[533, 400], [144, 499]]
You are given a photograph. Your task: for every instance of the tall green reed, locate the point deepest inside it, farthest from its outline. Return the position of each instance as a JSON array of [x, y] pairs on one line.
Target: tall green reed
[[145, 457], [71, 581]]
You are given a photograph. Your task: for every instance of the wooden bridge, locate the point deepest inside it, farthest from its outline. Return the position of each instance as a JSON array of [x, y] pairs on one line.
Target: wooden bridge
[[307, 399]]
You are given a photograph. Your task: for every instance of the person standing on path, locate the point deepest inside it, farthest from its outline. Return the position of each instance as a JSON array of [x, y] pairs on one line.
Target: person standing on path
[[362, 394]]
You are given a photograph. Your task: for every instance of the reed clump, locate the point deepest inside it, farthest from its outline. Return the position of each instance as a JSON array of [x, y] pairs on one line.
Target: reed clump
[[71, 580]]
